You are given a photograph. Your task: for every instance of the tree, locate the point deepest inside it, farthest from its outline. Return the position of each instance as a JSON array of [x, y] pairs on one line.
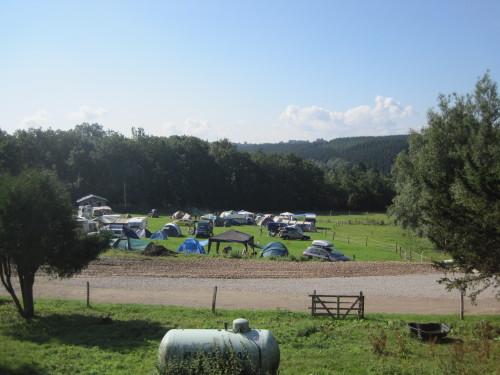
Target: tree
[[37, 230], [448, 184]]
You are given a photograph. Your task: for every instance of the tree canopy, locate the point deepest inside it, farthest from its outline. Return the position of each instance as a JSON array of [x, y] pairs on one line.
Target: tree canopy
[[448, 183], [37, 229], [182, 172]]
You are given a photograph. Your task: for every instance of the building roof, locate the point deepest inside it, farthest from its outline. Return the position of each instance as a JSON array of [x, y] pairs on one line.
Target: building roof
[[91, 196]]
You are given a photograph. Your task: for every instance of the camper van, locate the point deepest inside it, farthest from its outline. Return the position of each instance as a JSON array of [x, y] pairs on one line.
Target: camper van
[[137, 223], [241, 217], [86, 226]]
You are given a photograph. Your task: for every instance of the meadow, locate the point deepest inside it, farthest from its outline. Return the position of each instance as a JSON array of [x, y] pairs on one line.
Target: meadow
[[364, 237], [68, 338]]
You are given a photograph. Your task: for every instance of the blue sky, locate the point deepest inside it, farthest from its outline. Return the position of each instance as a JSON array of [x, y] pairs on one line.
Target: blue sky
[[250, 71]]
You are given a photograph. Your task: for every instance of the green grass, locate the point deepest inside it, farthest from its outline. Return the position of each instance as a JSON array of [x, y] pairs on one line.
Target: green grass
[[367, 237], [68, 338]]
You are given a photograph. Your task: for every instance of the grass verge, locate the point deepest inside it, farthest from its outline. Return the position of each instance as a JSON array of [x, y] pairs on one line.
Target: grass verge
[[68, 338]]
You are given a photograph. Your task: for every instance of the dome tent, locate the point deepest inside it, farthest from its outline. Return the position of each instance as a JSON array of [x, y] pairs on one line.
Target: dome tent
[[191, 246], [274, 249]]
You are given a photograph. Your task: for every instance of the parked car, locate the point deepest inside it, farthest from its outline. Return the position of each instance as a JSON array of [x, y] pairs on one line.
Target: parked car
[[325, 253], [292, 233], [203, 229], [274, 228]]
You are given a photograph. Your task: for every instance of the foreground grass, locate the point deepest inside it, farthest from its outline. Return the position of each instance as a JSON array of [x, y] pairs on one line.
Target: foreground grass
[[67, 338], [367, 237]]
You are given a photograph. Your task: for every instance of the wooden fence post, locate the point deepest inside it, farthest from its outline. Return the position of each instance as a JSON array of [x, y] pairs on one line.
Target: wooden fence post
[[214, 299], [362, 305], [462, 293], [366, 243], [313, 307], [88, 294]]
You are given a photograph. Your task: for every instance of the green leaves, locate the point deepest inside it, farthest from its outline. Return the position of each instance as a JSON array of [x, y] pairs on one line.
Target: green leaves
[[448, 184]]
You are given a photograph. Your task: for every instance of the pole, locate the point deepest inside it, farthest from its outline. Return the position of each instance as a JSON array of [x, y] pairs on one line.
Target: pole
[[125, 194], [88, 294], [313, 307], [462, 293], [214, 299]]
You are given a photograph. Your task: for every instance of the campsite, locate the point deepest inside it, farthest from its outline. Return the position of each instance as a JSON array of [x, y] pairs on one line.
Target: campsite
[[367, 237], [250, 187]]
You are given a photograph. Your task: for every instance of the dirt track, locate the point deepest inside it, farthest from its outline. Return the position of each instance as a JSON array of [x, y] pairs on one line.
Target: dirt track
[[389, 287], [248, 269]]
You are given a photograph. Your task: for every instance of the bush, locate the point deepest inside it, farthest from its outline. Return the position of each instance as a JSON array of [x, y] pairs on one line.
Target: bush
[[213, 363]]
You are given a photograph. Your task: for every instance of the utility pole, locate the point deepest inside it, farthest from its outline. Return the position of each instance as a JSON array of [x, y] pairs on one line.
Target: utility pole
[[125, 194]]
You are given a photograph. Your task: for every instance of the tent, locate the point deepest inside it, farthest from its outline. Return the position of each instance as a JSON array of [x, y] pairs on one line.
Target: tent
[[232, 236], [263, 220], [161, 234], [130, 233], [172, 229], [274, 249], [143, 233], [191, 246], [131, 244]]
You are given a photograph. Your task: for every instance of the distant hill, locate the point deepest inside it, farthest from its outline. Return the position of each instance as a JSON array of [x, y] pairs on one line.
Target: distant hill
[[374, 152]]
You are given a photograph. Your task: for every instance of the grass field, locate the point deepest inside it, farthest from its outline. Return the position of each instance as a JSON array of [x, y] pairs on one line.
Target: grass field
[[367, 237], [68, 338]]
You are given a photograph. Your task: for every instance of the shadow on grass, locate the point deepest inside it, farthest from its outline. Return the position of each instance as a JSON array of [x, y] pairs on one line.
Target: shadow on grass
[[90, 331], [23, 370]]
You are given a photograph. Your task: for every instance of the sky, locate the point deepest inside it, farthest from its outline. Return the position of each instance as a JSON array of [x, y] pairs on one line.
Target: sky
[[250, 71]]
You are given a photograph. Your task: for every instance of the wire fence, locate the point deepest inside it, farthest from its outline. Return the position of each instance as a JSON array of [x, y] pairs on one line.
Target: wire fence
[[405, 252]]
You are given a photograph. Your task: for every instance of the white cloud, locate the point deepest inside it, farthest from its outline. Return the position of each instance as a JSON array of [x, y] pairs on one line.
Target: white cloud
[[38, 119], [196, 128], [386, 116], [86, 113]]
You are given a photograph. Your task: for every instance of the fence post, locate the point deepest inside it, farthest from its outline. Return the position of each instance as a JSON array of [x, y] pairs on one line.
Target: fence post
[[214, 299], [362, 305], [313, 307], [347, 240], [462, 293], [88, 294], [338, 307], [366, 242]]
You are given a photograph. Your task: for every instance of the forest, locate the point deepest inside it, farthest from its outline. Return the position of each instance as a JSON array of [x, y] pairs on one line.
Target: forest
[[374, 152], [182, 172]]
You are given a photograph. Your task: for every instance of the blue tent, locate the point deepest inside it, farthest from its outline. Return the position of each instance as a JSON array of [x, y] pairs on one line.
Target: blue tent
[[191, 246], [274, 249], [159, 235]]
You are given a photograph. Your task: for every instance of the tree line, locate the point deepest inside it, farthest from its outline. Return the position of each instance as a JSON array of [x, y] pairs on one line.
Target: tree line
[[146, 171], [374, 152]]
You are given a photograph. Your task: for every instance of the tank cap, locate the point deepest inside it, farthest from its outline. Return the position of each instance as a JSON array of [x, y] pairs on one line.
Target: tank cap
[[240, 325]]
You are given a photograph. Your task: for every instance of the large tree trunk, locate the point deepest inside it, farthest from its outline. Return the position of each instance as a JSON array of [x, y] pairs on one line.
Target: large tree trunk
[[26, 280]]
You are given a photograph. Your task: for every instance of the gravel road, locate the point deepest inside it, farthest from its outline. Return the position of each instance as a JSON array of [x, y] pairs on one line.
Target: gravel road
[[390, 287]]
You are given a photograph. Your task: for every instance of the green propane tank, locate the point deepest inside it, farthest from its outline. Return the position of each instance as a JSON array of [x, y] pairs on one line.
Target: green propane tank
[[255, 348]]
